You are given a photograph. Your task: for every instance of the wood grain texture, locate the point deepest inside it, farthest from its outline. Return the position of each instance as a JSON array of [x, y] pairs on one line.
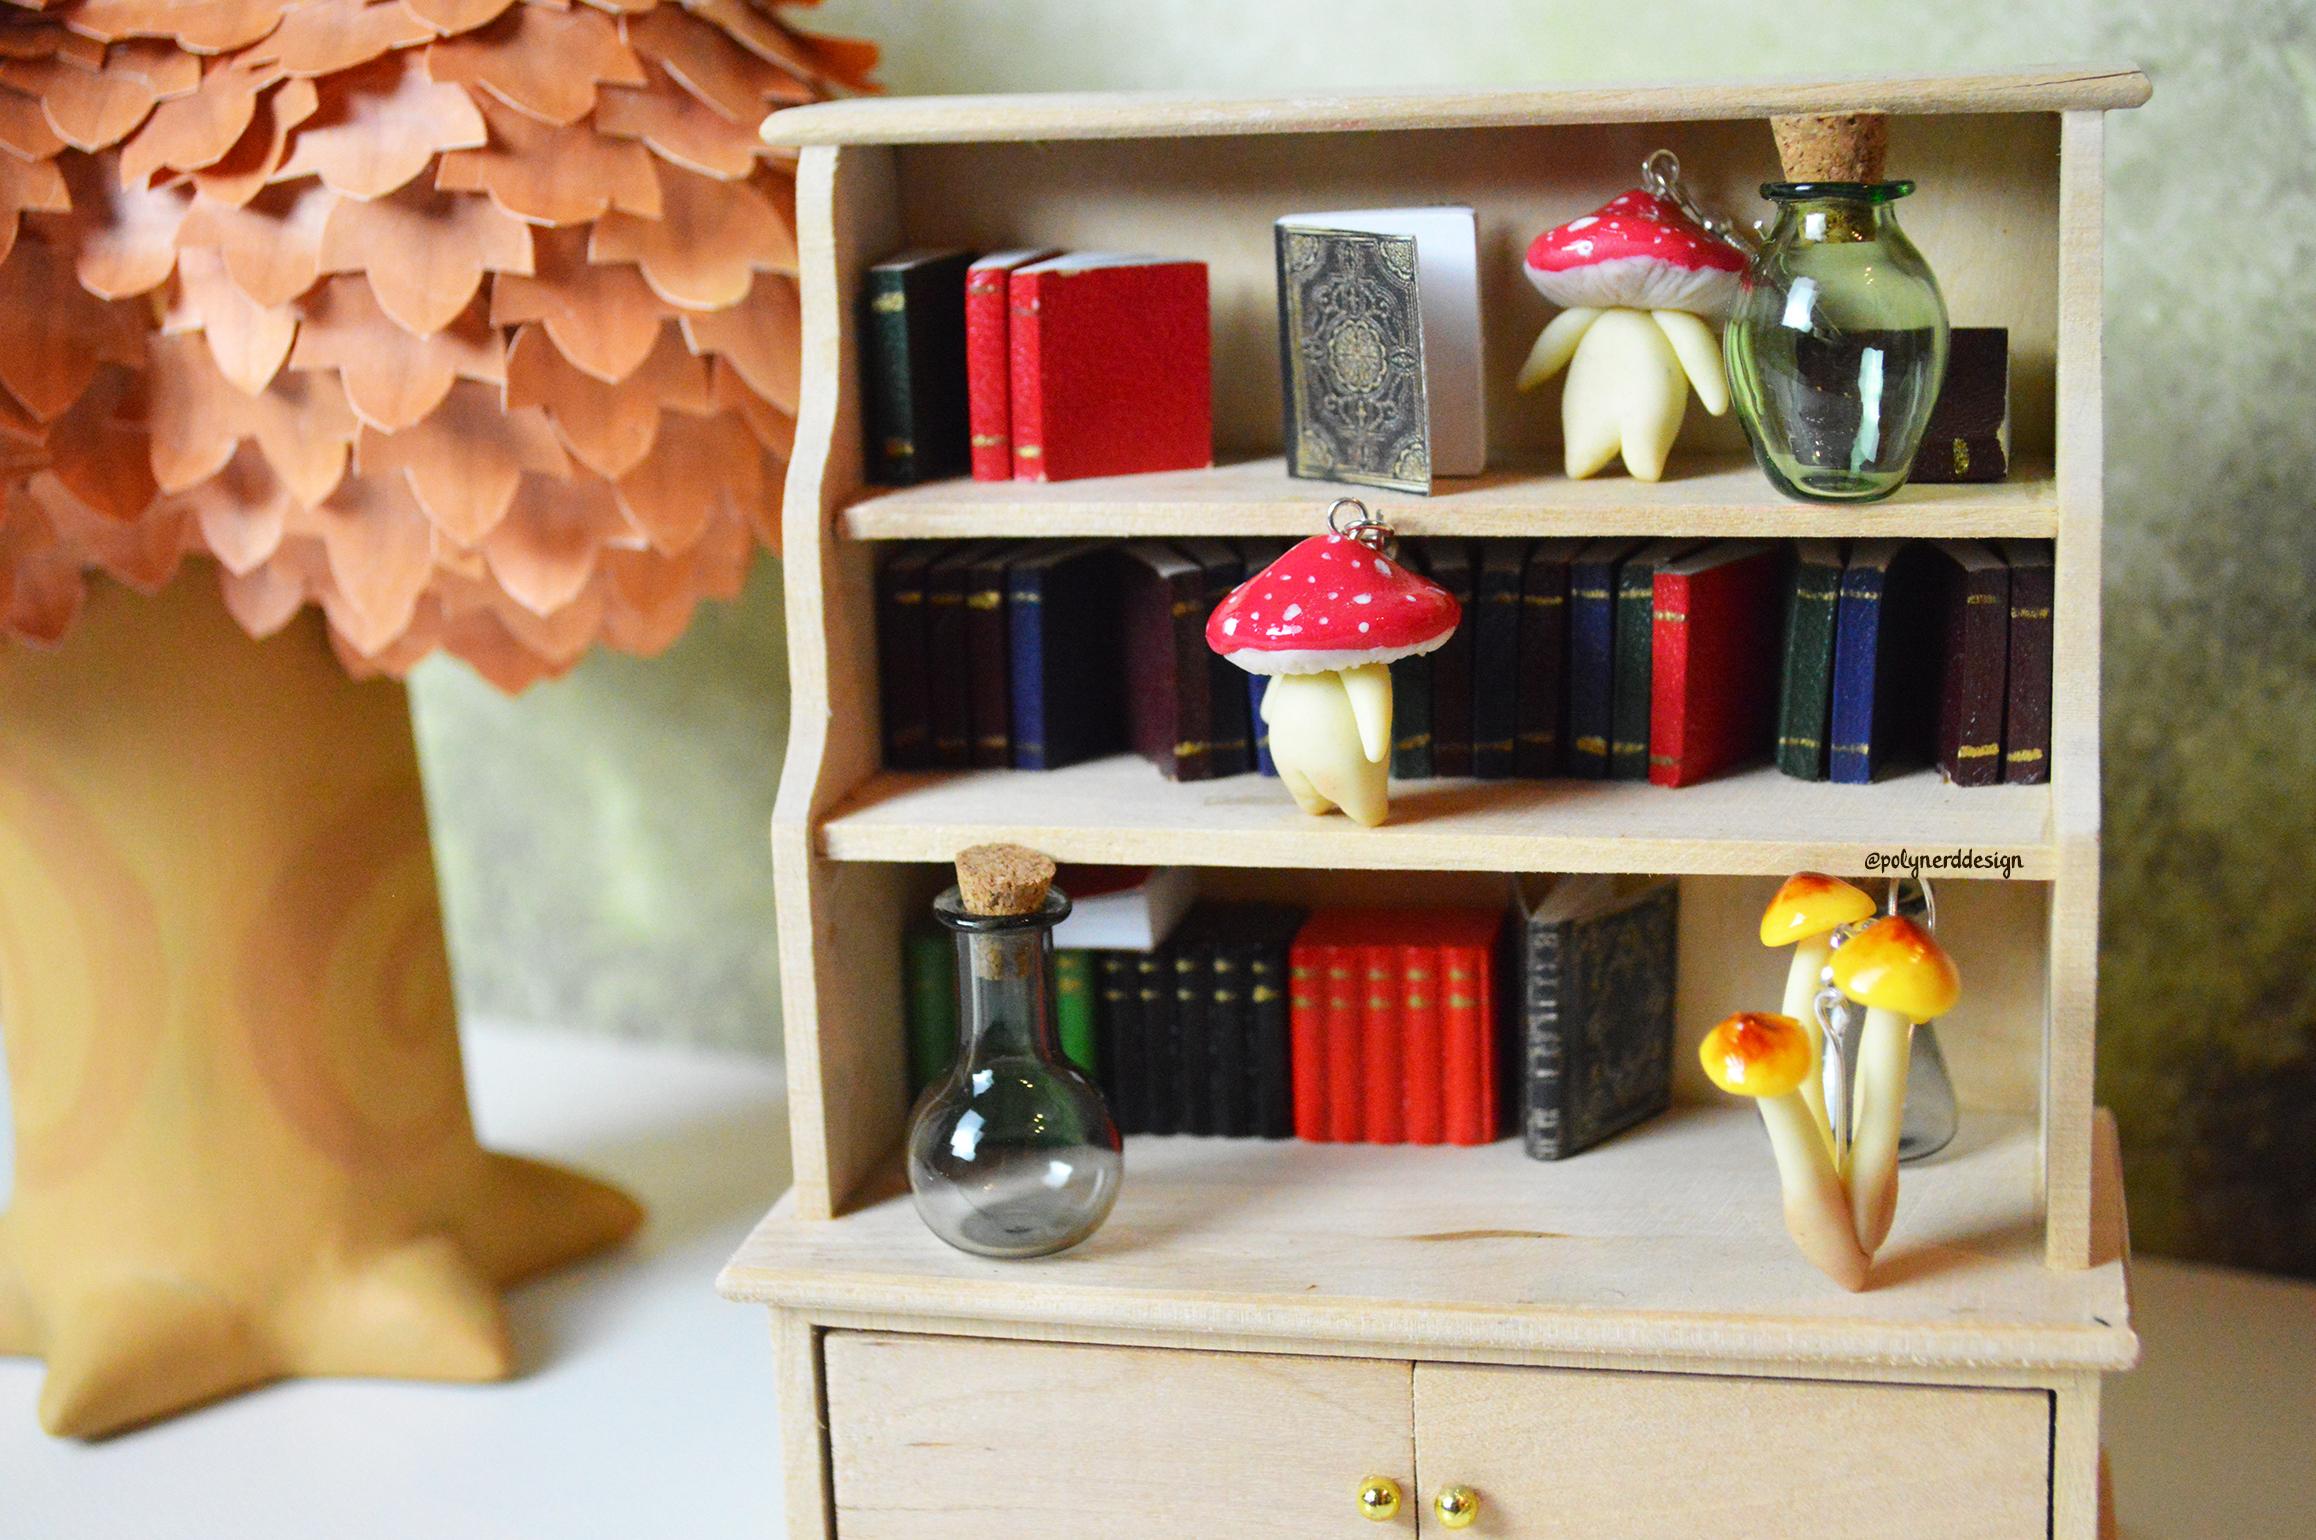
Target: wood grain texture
[[1661, 1245], [1718, 494], [796, 1350], [953, 1439], [1154, 115], [1121, 810], [1676, 1457]]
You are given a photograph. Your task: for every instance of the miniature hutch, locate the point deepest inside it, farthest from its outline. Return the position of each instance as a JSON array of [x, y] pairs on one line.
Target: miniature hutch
[[1619, 1344]]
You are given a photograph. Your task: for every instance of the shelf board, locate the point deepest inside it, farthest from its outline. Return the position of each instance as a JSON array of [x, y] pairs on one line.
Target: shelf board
[[1121, 810], [1666, 1242], [1703, 495]]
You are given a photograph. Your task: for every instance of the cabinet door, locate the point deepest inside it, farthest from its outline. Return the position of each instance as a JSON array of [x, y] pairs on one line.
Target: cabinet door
[[952, 1438], [1565, 1454]]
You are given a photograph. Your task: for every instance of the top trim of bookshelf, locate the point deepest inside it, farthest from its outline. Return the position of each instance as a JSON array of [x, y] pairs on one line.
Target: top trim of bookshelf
[[1167, 115]]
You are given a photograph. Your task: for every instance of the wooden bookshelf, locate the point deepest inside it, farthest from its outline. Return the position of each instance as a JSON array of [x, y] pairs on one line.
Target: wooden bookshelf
[[1412, 1300]]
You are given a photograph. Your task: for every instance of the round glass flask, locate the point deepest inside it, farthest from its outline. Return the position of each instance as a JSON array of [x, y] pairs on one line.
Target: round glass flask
[[1838, 344], [1012, 1153]]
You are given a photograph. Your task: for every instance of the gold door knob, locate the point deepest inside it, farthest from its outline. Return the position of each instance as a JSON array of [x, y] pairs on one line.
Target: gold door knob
[[1457, 1507], [1379, 1498]]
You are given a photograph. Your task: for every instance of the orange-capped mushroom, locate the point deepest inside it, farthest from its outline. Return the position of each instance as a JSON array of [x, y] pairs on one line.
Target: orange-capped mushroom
[[1804, 915], [1768, 1058], [1895, 965], [1897, 970]]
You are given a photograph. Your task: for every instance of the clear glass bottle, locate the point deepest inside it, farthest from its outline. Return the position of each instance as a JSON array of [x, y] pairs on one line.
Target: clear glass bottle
[[1013, 1153], [1838, 344]]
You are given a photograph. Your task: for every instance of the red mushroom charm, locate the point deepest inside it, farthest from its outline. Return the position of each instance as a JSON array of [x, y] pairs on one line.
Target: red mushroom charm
[[1326, 620], [1639, 281]]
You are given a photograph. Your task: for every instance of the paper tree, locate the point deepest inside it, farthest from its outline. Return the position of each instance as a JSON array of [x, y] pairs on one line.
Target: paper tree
[[466, 325]]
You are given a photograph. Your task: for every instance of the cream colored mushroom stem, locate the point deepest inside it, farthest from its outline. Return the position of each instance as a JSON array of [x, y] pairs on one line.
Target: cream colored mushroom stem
[[1817, 1209], [1885, 1053], [1331, 739], [1629, 375], [1802, 981]]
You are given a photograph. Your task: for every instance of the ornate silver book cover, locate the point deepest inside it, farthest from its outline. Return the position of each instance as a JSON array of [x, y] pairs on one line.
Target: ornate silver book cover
[[1351, 354]]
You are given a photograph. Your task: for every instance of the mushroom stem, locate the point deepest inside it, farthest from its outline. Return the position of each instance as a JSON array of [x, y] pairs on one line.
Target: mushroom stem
[[1884, 1052], [1626, 394], [1801, 987], [1817, 1210], [1331, 739]]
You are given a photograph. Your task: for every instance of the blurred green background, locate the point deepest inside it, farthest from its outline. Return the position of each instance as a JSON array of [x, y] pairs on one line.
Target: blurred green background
[[602, 838]]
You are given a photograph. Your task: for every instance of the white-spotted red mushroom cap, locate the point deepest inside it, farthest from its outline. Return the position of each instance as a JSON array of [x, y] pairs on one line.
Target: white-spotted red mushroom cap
[[1636, 250], [1330, 603]]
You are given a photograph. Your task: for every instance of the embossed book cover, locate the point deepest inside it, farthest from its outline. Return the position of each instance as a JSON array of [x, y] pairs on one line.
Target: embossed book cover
[[1379, 347]]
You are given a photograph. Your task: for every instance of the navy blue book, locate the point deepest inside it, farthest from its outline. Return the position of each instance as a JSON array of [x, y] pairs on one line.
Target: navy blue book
[[1592, 653], [949, 684], [1884, 704], [1542, 689], [1062, 623], [1233, 740], [1496, 657]]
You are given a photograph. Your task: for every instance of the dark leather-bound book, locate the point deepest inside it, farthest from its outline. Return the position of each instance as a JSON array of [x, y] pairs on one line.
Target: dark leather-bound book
[[1636, 597], [1450, 565], [1062, 624], [1161, 1048], [1974, 653], [913, 366], [1254, 555], [1495, 627], [1542, 687], [1231, 746], [1968, 437], [1190, 967], [1254, 1095], [988, 657], [1597, 969], [903, 686], [1120, 1070], [1713, 676], [1411, 737], [948, 672], [1805, 670], [1885, 704], [1592, 653], [1167, 682], [2026, 718]]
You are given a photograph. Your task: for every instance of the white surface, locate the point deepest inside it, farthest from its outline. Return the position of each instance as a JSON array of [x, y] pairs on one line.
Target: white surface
[[646, 1406]]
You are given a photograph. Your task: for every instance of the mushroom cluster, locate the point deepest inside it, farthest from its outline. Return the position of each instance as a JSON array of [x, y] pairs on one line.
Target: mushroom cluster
[[1639, 281], [1326, 621], [1840, 1180]]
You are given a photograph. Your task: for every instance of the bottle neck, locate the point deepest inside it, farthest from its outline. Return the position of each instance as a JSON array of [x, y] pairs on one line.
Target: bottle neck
[[1833, 221], [1004, 998]]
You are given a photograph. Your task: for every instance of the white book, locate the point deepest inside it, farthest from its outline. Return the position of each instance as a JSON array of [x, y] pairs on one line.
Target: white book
[[1116, 909]]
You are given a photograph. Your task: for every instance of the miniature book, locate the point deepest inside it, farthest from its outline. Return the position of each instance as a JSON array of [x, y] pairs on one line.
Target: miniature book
[[988, 653], [1074, 1007], [1968, 437], [1062, 626], [947, 672], [1805, 677], [930, 964], [1254, 555], [1496, 680], [1592, 653], [1411, 706], [1231, 746], [1712, 690], [989, 359], [1254, 953], [1380, 346], [2026, 720], [913, 360], [1111, 367], [1123, 908], [1597, 975], [1634, 652], [1449, 564], [1974, 651], [1118, 1051], [1543, 669], [901, 664], [1168, 684], [1882, 711]]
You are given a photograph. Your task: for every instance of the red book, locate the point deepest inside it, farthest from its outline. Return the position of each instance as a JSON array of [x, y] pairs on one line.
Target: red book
[[1714, 660], [989, 359], [1382, 1079], [1307, 1039], [1467, 987], [1112, 367], [1425, 1104]]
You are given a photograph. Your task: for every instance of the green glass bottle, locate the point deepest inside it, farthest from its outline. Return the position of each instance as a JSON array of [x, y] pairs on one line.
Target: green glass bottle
[[1838, 344]]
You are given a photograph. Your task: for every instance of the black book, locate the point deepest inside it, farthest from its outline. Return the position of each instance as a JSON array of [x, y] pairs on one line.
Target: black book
[[913, 366], [1161, 1047], [1118, 1056], [948, 679], [1254, 1091], [1635, 650], [1495, 626], [1231, 750], [1411, 738], [1190, 963], [1450, 565], [1805, 674], [1540, 718], [988, 657], [1062, 624], [1166, 676], [1597, 969], [1254, 555], [1592, 653], [901, 662]]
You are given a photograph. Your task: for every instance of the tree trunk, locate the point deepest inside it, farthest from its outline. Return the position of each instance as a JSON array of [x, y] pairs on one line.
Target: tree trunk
[[242, 1142]]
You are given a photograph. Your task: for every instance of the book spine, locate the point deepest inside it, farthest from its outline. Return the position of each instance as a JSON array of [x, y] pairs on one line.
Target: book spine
[[1543, 1099], [1258, 730], [1307, 1045], [1425, 1119], [1542, 681], [987, 659], [1591, 668], [1468, 1079], [1850, 749], [1194, 1038], [1631, 697], [1118, 1061], [989, 372], [1973, 687], [1451, 664], [1073, 1008], [1194, 681], [1346, 1104], [1229, 1031], [1026, 679], [901, 660], [931, 965], [1382, 1069], [891, 453], [1270, 1047], [1668, 678], [948, 684], [1024, 352], [1805, 676], [2026, 726], [1161, 1047], [1496, 660]]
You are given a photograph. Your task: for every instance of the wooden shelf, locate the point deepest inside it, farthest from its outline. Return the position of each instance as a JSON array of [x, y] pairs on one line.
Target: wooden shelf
[[1655, 1242], [1717, 495], [1757, 822]]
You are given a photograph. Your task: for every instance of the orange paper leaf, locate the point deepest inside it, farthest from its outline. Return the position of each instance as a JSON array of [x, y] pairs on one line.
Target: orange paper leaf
[[545, 549], [709, 242], [761, 337], [541, 62], [679, 127], [54, 333], [200, 26], [424, 252], [379, 126], [392, 378], [273, 247], [249, 341], [605, 320], [194, 131], [238, 176], [465, 461], [329, 37], [553, 176]]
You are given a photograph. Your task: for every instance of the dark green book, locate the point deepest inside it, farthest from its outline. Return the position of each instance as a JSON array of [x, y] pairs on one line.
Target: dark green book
[[1073, 1009], [1805, 678], [1411, 700], [912, 329], [1636, 640], [929, 961], [1495, 626]]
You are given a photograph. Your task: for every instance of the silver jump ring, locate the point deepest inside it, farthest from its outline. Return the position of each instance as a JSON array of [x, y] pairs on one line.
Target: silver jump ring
[[1366, 527]]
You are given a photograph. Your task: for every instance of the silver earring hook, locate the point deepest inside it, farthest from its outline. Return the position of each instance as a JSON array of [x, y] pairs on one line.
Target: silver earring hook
[[1661, 174], [1367, 528]]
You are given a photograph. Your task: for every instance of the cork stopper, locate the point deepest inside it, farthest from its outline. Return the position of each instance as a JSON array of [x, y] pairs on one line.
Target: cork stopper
[[1832, 146], [1003, 879]]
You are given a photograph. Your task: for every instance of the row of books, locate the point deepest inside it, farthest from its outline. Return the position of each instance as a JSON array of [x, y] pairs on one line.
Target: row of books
[[1034, 365], [1671, 661], [1379, 1026]]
